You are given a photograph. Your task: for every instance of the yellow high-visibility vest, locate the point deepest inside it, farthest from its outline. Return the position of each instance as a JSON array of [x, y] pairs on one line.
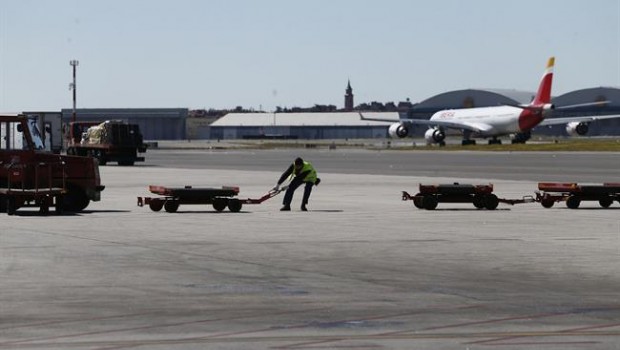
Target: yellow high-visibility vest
[[311, 177]]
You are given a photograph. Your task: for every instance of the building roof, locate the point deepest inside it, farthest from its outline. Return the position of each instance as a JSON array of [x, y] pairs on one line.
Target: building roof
[[590, 95], [120, 113], [475, 98], [303, 119]]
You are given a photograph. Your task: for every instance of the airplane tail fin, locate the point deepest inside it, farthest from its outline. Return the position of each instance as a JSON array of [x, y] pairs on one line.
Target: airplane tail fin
[[543, 96]]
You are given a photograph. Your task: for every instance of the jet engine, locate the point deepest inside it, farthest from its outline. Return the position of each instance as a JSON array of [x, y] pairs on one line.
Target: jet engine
[[577, 128], [399, 130], [434, 135]]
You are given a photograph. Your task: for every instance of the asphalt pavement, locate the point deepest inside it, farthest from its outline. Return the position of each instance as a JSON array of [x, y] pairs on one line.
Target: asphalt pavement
[[362, 269]]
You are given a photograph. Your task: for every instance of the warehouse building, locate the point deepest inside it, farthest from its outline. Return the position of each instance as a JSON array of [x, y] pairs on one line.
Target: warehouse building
[[338, 125], [155, 123]]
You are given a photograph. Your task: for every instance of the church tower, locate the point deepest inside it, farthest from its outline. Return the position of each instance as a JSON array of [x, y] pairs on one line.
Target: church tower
[[348, 98]]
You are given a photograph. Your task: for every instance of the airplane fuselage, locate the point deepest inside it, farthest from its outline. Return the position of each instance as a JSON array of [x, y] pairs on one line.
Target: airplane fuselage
[[491, 121]]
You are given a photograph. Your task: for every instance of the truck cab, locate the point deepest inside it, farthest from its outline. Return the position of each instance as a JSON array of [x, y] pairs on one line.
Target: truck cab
[[22, 147]]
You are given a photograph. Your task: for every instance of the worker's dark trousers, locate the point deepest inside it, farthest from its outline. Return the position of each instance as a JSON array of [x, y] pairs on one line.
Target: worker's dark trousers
[[288, 196]]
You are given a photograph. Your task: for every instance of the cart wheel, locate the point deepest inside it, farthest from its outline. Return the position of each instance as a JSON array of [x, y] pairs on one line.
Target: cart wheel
[[156, 204], [491, 201], [417, 201], [234, 205], [429, 202], [573, 202], [219, 204], [171, 206], [547, 202], [478, 201], [606, 202]]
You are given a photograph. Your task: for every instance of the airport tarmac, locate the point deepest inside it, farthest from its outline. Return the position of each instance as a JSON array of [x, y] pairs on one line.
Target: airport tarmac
[[361, 270]]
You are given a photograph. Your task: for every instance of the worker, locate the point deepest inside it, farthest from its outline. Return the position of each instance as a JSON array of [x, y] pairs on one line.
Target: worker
[[301, 172]]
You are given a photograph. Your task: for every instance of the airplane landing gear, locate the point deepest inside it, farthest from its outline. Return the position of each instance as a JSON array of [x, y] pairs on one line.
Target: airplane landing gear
[[521, 137], [495, 141]]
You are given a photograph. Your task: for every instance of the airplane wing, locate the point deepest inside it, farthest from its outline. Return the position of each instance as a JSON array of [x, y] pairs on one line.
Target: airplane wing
[[556, 121], [475, 127]]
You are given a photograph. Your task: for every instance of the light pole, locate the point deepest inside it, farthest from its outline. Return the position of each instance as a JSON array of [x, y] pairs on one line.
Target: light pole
[[73, 86]]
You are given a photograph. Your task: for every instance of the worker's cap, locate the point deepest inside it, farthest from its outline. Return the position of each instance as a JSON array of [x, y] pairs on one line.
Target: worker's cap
[[299, 161]]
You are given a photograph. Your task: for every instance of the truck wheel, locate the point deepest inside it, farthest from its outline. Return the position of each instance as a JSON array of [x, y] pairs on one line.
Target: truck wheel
[[219, 204], [491, 201], [125, 162], [234, 205], [156, 204], [2, 204], [573, 202], [606, 202], [75, 199], [429, 202], [171, 206]]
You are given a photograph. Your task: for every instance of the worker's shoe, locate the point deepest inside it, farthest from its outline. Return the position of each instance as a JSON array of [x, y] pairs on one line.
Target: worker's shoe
[[303, 207], [285, 208]]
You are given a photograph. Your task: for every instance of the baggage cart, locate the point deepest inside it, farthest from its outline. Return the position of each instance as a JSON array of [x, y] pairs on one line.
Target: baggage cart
[[573, 194], [32, 184], [481, 196], [220, 198]]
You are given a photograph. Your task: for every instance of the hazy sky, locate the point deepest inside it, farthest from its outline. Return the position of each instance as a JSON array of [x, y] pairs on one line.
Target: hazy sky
[[267, 53]]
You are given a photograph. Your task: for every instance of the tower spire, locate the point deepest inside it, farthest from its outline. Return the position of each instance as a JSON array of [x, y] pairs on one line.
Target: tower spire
[[348, 97]]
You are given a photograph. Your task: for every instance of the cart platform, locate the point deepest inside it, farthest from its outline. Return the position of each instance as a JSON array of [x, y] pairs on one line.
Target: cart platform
[[220, 198]]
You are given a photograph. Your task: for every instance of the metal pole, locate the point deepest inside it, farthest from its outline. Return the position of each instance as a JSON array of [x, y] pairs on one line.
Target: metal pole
[[74, 63]]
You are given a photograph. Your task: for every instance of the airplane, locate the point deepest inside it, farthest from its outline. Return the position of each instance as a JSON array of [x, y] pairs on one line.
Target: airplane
[[491, 122]]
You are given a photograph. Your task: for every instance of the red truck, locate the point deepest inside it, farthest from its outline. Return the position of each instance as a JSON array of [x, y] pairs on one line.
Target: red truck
[[109, 141], [29, 175]]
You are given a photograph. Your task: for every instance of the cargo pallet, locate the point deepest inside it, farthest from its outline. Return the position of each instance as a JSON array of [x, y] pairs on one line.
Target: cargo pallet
[[220, 198], [573, 194], [481, 196]]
